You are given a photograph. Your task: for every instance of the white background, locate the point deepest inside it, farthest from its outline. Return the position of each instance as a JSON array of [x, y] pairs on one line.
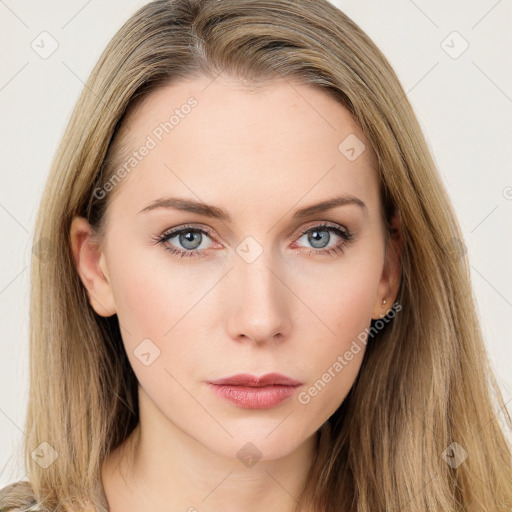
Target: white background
[[464, 105]]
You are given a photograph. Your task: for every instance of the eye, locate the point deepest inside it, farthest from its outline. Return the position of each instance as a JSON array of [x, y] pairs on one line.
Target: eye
[[188, 237], [319, 236]]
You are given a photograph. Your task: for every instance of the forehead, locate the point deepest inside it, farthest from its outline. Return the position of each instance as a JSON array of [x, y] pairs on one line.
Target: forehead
[[216, 138]]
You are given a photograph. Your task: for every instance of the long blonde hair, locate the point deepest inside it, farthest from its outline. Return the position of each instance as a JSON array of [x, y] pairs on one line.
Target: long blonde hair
[[425, 382]]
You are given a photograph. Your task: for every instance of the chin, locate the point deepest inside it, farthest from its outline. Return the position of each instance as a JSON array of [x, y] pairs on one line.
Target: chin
[[264, 440]]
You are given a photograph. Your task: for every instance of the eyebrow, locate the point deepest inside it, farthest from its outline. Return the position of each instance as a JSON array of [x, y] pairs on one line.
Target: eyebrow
[[188, 205]]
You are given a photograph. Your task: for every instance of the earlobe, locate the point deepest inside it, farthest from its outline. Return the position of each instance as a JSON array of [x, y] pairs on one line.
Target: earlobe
[[91, 267]]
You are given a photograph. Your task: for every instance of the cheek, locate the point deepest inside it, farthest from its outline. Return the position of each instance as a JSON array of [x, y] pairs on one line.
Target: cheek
[[159, 301], [150, 303], [153, 294], [343, 297], [344, 304], [155, 316]]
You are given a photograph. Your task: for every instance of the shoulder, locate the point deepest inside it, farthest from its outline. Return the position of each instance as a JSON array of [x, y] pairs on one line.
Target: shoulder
[[18, 497]]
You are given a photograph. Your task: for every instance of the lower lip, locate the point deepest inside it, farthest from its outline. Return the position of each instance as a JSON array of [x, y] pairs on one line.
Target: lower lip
[[248, 397]]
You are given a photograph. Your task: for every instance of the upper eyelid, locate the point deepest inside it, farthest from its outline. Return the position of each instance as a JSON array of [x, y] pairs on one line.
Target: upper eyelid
[[326, 224], [177, 229], [172, 232]]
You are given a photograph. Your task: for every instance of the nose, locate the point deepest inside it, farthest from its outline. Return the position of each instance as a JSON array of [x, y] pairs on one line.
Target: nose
[[258, 305]]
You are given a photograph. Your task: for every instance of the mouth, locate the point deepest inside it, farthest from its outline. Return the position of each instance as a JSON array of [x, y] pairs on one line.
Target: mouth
[[251, 392]]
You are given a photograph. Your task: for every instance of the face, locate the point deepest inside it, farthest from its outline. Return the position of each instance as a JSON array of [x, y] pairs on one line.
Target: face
[[257, 282]]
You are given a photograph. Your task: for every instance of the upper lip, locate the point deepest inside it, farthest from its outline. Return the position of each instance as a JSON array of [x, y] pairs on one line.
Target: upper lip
[[246, 379]]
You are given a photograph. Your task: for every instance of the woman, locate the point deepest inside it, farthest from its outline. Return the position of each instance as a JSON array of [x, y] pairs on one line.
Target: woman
[[253, 294]]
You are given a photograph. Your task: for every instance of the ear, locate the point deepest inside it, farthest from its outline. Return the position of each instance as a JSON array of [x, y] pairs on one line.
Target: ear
[[91, 267], [392, 270]]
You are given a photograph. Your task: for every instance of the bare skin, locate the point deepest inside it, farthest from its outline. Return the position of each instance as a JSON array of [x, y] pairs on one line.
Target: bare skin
[[293, 309]]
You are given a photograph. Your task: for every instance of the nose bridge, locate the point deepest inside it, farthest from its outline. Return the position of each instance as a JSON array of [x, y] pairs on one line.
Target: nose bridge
[[258, 306]]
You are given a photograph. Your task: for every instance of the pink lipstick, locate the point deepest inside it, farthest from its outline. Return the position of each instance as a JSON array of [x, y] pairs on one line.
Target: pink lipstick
[[252, 392]]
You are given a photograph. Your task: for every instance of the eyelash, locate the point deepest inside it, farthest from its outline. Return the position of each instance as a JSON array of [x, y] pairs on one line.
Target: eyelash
[[345, 234]]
